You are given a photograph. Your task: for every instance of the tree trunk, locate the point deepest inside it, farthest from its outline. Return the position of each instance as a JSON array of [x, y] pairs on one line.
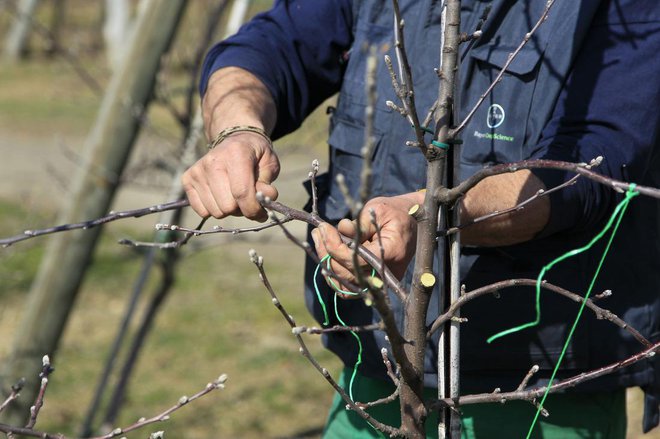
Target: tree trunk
[[17, 37], [116, 30], [236, 16], [106, 152]]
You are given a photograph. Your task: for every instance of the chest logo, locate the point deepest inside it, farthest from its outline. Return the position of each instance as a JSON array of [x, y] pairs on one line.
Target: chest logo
[[495, 116]]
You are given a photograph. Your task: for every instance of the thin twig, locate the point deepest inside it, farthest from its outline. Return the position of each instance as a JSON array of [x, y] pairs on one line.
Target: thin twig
[[193, 232], [451, 195], [405, 92], [312, 179], [112, 216], [498, 286], [165, 415], [532, 394], [337, 328], [540, 193], [388, 366], [258, 262], [530, 374], [386, 400], [46, 370], [187, 236], [381, 247], [15, 393]]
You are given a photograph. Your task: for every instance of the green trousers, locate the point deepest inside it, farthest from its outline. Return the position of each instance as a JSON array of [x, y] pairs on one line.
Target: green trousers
[[599, 415]]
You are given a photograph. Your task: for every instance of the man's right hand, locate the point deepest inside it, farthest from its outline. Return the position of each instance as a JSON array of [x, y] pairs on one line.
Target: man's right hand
[[225, 181]]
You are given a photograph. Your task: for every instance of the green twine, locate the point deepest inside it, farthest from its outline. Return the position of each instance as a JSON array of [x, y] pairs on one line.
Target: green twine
[[615, 220], [616, 216], [359, 355], [326, 321]]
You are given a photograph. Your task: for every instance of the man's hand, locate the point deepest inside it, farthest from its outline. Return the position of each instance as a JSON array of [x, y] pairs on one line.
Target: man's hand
[[398, 233], [225, 181], [398, 228]]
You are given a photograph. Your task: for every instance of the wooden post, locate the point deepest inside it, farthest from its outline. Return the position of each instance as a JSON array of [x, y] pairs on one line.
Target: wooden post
[[106, 152]]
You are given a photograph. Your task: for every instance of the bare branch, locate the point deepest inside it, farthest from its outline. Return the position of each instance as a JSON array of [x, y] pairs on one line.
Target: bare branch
[[112, 216], [381, 401], [451, 195], [165, 415], [388, 365], [190, 233], [519, 206], [15, 393], [316, 330], [532, 394], [312, 179], [46, 370], [258, 262], [530, 374], [498, 286], [405, 92]]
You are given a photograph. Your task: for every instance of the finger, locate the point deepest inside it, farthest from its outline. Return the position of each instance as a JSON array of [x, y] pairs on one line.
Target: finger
[[242, 185], [196, 204], [219, 187], [208, 200], [349, 228], [322, 254], [342, 256], [196, 186], [187, 182]]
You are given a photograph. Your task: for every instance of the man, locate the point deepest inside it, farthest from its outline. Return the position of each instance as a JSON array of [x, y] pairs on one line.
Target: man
[[586, 85]]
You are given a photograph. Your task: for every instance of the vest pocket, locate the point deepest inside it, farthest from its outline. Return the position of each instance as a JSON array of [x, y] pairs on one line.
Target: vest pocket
[[498, 131]]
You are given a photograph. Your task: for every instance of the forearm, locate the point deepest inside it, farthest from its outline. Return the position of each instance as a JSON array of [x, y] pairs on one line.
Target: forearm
[[233, 97], [499, 193]]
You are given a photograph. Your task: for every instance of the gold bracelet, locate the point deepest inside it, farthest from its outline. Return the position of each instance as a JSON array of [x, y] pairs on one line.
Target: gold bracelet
[[222, 135]]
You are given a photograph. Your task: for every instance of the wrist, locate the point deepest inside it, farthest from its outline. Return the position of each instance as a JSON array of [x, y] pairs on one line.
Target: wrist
[[239, 129]]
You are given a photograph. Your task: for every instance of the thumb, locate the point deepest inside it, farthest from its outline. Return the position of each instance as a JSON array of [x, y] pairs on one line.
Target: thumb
[[347, 227], [267, 190]]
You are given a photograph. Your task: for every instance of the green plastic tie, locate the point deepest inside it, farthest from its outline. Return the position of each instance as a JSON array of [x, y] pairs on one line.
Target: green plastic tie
[[441, 145], [425, 129]]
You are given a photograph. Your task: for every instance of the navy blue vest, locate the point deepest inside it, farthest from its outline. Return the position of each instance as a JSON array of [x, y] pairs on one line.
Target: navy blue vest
[[505, 129]]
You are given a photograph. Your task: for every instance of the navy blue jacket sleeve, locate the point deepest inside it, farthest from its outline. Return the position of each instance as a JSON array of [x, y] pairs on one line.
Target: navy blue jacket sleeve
[[609, 108], [296, 49]]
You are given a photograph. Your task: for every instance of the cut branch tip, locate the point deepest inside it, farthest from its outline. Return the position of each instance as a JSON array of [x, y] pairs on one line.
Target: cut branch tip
[[427, 279]]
